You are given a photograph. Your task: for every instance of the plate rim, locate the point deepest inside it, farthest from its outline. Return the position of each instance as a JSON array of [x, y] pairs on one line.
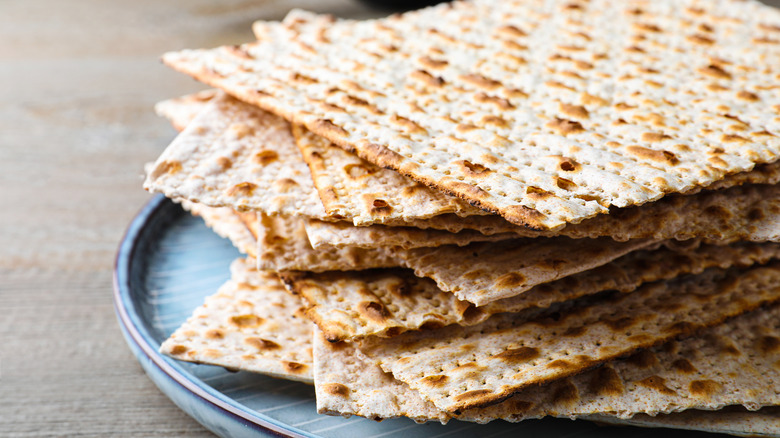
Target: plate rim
[[129, 318]]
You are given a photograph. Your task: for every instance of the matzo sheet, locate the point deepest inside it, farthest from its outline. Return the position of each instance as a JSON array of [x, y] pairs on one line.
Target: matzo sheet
[[731, 364], [542, 113], [462, 367], [250, 324], [663, 220], [234, 155], [180, 111], [342, 234], [282, 245], [353, 305], [351, 187], [489, 271]]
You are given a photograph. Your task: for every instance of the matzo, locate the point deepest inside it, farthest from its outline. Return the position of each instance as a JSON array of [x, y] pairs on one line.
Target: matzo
[[662, 217], [730, 364], [347, 384], [750, 212], [234, 155], [250, 325], [226, 223], [543, 113], [353, 305], [351, 187], [342, 234], [180, 111], [484, 272], [283, 245], [461, 367]]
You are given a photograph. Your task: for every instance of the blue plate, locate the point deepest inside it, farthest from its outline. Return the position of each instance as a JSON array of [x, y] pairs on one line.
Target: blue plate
[[167, 263]]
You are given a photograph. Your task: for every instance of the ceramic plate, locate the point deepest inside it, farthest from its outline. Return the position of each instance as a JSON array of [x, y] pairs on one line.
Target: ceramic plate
[[168, 262]]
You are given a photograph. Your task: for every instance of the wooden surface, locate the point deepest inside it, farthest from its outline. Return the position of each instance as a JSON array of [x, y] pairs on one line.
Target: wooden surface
[[78, 82]]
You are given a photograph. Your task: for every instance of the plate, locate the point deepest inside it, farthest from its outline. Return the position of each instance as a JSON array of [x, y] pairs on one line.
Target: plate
[[167, 263]]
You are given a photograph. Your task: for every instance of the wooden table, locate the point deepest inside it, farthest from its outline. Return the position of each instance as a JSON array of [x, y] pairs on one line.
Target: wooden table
[[79, 79]]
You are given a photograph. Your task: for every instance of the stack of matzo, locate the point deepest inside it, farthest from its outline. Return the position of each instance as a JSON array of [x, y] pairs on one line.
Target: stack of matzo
[[496, 210]]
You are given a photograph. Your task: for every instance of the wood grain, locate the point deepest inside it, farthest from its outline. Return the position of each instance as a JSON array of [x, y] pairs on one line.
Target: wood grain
[[79, 80]]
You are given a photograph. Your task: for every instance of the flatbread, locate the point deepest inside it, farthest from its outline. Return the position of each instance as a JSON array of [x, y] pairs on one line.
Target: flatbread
[[342, 234], [227, 224], [234, 155], [353, 305], [282, 245], [749, 212], [250, 324], [730, 364], [541, 113], [180, 111], [463, 367], [346, 383], [351, 187], [485, 272], [667, 219], [733, 420]]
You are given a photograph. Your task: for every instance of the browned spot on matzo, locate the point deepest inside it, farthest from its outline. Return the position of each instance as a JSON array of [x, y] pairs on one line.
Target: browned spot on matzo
[[473, 395], [684, 366], [652, 137], [373, 310], [769, 344], [336, 389], [564, 393], [474, 168], [654, 155], [510, 280], [574, 111], [520, 354], [165, 167], [606, 381], [715, 71], [746, 95], [704, 388], [266, 157], [262, 344], [295, 367], [565, 127], [427, 78], [246, 321], [435, 380], [177, 350], [700, 39], [328, 126], [657, 384], [481, 81]]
